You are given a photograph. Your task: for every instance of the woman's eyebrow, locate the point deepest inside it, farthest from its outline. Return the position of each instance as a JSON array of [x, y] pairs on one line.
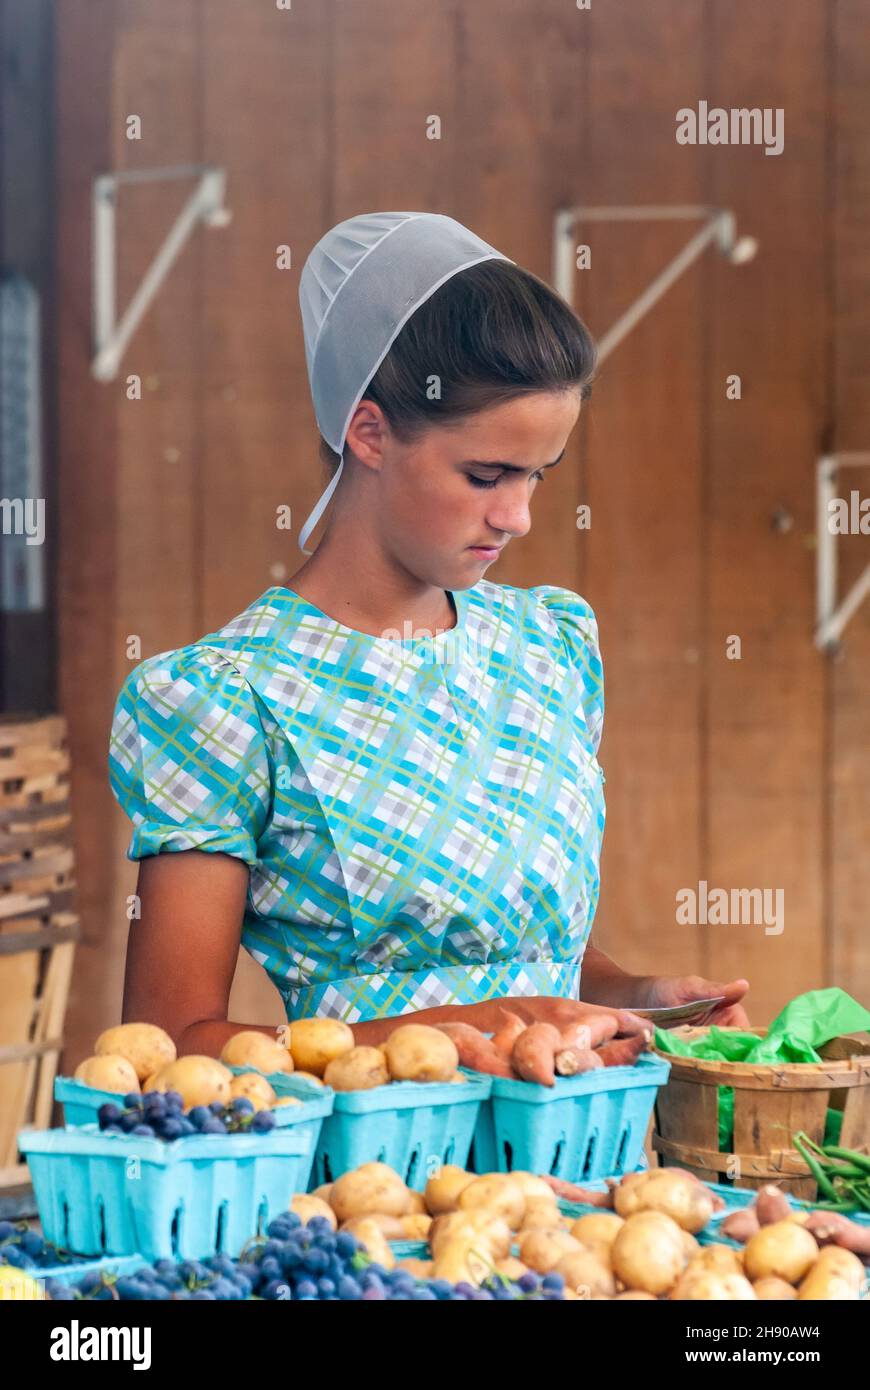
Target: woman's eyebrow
[[511, 467]]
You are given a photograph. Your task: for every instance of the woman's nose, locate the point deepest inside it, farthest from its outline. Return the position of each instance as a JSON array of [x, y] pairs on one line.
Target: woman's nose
[[512, 516]]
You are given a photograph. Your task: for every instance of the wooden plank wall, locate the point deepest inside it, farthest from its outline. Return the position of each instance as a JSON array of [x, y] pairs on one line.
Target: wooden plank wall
[[749, 773]]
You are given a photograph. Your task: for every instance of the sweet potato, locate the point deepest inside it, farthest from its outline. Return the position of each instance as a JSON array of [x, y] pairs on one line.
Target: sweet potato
[[570, 1192], [832, 1228], [624, 1052], [771, 1204], [741, 1225], [476, 1050], [572, 1060], [503, 1040], [590, 1032], [534, 1053]]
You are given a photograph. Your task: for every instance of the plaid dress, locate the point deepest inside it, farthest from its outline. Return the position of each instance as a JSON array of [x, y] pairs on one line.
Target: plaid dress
[[422, 816]]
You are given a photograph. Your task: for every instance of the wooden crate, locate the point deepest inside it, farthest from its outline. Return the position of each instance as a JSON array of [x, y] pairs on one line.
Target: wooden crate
[[38, 922], [771, 1103]]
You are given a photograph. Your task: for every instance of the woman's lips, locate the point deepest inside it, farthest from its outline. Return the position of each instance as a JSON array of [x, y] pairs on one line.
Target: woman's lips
[[486, 552]]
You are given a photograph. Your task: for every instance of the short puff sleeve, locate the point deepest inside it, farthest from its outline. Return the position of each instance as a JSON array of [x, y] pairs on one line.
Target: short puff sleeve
[[188, 757], [578, 629]]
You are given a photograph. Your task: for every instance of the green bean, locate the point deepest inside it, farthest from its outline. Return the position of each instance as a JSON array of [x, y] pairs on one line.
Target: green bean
[[857, 1160], [823, 1182], [845, 1170]]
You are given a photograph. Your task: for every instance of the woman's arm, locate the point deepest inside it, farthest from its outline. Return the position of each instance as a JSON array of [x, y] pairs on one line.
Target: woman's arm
[[182, 952], [604, 982]]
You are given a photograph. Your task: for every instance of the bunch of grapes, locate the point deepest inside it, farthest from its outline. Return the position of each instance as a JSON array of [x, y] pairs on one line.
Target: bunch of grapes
[[27, 1249], [303, 1263], [160, 1115]]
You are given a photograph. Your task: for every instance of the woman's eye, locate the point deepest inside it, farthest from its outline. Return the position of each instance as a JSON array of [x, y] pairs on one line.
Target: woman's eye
[[483, 482]]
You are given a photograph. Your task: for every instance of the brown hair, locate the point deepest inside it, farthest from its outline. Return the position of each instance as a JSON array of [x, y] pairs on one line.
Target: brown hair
[[489, 334]]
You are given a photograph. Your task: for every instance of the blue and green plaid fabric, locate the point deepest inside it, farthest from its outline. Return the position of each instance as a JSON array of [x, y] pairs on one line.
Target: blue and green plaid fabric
[[422, 817]]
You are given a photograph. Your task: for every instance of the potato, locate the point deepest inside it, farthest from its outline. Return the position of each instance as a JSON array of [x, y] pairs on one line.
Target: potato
[[721, 1258], [709, 1284], [146, 1047], [648, 1252], [285, 1100], [323, 1191], [682, 1198], [397, 1227], [772, 1287], [314, 1042], [474, 1226], [443, 1188], [373, 1238], [463, 1260], [369, 1188], [587, 1273], [415, 1052], [511, 1267], [541, 1212], [306, 1205], [109, 1072], [360, 1069], [416, 1203], [783, 1248], [421, 1269], [691, 1248], [836, 1274], [198, 1080], [542, 1250], [389, 1226], [308, 1076], [257, 1051], [255, 1088], [499, 1194], [634, 1294], [416, 1225], [597, 1228], [532, 1185]]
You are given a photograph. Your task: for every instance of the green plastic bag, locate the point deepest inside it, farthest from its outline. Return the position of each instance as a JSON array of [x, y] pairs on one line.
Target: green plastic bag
[[807, 1022]]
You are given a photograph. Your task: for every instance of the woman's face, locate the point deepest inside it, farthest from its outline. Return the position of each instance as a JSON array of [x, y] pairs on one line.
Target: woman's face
[[462, 486]]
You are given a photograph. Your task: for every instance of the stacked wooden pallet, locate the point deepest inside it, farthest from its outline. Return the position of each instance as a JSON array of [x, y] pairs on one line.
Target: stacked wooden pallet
[[38, 922]]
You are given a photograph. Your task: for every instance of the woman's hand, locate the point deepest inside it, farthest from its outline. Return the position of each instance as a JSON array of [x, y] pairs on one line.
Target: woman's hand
[[666, 991]]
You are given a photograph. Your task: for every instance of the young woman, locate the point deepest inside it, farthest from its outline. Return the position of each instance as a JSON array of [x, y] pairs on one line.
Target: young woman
[[382, 778]]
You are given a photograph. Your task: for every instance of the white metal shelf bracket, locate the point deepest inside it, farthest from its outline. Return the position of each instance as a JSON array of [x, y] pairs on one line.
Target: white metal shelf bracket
[[719, 228], [205, 204], [831, 617]]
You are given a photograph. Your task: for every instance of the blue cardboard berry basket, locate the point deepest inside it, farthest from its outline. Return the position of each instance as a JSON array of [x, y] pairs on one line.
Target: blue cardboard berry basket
[[73, 1269], [307, 1118], [126, 1194], [414, 1126], [82, 1102], [583, 1128]]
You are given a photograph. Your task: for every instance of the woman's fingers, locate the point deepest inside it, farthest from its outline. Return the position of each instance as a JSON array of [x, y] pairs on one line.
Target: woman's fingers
[[630, 1025]]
